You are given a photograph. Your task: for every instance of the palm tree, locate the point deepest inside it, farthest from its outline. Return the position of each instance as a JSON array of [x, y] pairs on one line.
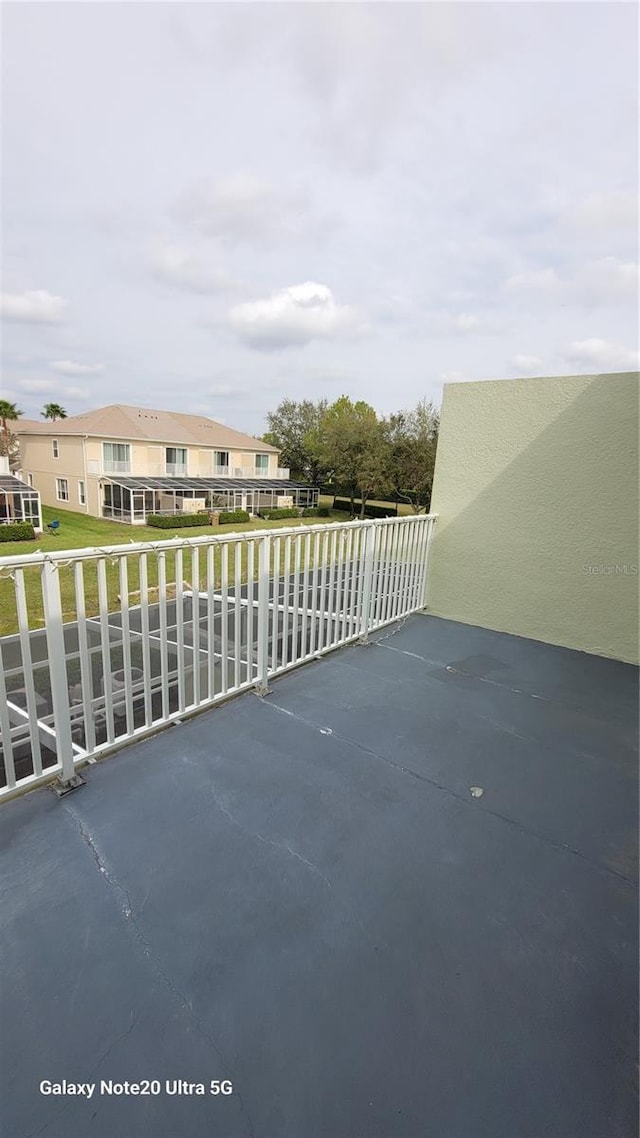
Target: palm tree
[[9, 413], [53, 411]]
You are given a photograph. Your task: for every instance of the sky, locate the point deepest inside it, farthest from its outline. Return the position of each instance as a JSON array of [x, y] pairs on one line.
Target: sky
[[211, 208]]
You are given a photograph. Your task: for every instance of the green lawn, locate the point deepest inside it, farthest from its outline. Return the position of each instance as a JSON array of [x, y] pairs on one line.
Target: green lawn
[[77, 531]]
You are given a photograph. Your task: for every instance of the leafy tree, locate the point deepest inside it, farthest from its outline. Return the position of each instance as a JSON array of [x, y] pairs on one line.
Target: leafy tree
[[292, 429], [53, 411], [9, 413], [412, 437], [10, 447], [350, 440]]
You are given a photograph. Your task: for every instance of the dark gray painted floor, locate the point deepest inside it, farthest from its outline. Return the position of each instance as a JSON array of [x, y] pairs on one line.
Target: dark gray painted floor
[[300, 894]]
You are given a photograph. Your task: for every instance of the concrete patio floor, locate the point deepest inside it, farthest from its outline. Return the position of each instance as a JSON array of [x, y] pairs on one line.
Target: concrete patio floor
[[302, 895]]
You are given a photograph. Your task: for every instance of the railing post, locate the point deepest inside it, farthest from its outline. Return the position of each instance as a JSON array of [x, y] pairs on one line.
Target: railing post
[[56, 653], [367, 582], [431, 523], [264, 558]]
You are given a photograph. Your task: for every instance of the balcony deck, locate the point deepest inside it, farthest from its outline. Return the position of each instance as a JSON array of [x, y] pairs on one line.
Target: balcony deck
[[302, 895]]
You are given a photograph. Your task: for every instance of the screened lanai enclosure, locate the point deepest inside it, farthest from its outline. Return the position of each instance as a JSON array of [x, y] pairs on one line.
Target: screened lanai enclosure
[[19, 502], [133, 499]]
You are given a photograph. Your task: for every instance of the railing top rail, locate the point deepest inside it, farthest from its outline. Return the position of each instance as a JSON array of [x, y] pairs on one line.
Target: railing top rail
[[89, 553]]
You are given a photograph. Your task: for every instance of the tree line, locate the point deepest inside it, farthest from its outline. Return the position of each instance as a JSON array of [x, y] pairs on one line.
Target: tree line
[[348, 446]]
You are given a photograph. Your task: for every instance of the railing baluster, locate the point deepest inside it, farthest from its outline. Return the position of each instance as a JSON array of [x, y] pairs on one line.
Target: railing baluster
[[86, 671], [295, 597], [250, 610], [143, 570], [211, 621], [105, 647], [286, 600], [332, 603], [367, 547], [224, 617], [322, 590], [126, 643], [264, 557], [305, 616], [195, 621], [162, 629], [351, 580], [27, 670], [5, 731], [275, 635], [238, 613], [404, 541], [181, 655]]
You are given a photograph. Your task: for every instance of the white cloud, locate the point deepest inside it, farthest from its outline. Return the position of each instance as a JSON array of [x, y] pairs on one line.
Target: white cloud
[[607, 280], [607, 209], [536, 280], [180, 268], [467, 322], [441, 323], [602, 281], [600, 355], [70, 367], [295, 316], [32, 307], [70, 392], [52, 387], [38, 386], [455, 377], [527, 365], [242, 209]]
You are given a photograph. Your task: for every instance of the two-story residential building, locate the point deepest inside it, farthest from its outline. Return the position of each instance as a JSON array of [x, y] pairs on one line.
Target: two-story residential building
[[125, 462]]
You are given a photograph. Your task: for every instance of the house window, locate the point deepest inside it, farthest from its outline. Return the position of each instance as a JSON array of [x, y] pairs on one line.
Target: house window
[[262, 462], [56, 448], [30, 478], [116, 458], [62, 489], [176, 460], [82, 497], [221, 459]]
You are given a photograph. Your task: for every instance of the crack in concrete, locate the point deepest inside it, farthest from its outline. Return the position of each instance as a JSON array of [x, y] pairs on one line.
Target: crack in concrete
[[404, 652], [156, 966], [467, 675], [475, 804], [497, 684], [224, 809]]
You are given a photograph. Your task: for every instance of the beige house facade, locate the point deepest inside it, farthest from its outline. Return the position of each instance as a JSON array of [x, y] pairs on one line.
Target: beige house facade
[[125, 463]]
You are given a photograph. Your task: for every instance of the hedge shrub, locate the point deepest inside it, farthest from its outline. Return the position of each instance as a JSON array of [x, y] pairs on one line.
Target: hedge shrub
[[316, 512], [17, 531], [177, 521], [227, 517], [280, 512], [369, 511]]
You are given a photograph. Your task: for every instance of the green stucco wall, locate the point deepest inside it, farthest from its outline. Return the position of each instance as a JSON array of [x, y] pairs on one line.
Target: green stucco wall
[[536, 487]]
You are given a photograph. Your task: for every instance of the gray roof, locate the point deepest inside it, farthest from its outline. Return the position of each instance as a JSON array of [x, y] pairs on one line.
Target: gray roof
[[118, 421]]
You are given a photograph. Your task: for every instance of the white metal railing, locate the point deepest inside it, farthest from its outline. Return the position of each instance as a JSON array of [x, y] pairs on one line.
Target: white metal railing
[[105, 646], [173, 468], [280, 473], [113, 466]]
